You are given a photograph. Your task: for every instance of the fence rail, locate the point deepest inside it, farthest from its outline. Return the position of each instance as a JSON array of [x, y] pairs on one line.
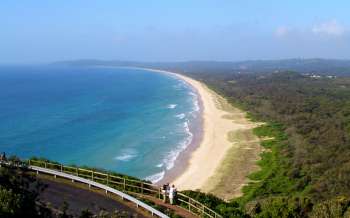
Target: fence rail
[[128, 185], [101, 186]]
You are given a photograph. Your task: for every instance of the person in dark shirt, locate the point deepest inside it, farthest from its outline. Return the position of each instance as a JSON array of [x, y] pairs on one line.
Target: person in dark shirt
[[165, 191]]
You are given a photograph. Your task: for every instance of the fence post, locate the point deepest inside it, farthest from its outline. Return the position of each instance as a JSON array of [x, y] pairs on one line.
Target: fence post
[[124, 185], [77, 171], [92, 175], [189, 204], [61, 168], [141, 187], [29, 162], [45, 165], [107, 179]]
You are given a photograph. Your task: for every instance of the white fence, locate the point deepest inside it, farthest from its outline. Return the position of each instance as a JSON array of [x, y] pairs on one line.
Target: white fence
[[101, 186]]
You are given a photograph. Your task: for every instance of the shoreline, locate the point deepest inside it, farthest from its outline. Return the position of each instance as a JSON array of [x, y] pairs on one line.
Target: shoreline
[[204, 159], [182, 161], [195, 128], [223, 152]]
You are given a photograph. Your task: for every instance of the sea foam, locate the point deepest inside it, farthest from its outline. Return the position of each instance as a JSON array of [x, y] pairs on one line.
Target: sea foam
[[156, 177], [170, 158], [195, 101], [180, 116], [126, 155], [172, 106]]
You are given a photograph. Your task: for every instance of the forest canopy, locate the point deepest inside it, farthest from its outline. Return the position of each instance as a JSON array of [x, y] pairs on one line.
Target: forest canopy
[[307, 165]]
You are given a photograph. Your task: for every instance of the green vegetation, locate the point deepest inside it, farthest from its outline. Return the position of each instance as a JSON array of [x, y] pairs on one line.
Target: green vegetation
[[161, 208], [305, 169], [273, 177], [18, 194], [226, 209]]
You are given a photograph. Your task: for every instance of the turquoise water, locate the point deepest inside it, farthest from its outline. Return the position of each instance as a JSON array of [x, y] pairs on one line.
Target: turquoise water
[[127, 120]]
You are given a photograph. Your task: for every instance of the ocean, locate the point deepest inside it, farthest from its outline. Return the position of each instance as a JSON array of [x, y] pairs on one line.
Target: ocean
[[131, 121]]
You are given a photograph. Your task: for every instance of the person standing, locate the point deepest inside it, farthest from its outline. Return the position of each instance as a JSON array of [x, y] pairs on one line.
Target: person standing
[[165, 191], [172, 193]]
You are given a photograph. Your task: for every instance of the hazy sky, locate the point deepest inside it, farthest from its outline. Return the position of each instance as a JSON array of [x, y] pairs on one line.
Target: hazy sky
[[165, 30]]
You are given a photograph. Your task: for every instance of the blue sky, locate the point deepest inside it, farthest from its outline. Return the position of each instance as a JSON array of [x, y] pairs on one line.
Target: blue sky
[[44, 31]]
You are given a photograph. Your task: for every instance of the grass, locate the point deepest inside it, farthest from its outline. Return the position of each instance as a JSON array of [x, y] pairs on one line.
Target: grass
[[272, 178]]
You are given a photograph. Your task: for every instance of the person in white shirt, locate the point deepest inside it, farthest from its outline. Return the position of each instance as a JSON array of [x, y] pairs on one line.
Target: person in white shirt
[[172, 193]]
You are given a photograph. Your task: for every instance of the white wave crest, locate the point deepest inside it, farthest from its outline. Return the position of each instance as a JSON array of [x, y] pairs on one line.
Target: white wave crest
[[195, 101], [180, 116], [172, 106], [192, 93], [196, 105], [126, 155], [155, 177], [170, 158], [179, 86]]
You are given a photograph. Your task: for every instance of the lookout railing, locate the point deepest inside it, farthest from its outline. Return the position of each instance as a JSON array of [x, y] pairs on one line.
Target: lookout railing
[[128, 185]]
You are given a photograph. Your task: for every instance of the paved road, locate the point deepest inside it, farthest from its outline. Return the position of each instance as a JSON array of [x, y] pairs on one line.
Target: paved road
[[78, 199]]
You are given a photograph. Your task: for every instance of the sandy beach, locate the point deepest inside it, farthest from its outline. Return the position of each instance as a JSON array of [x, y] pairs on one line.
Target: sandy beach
[[227, 151]]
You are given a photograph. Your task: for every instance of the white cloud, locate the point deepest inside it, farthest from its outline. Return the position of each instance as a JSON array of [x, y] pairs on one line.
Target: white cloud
[[331, 28]]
